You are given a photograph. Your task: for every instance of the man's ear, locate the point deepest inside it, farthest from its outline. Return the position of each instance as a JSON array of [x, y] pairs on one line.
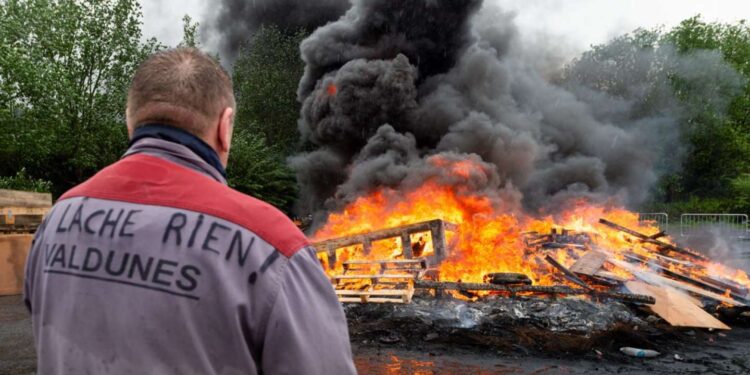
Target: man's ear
[[128, 123], [225, 129]]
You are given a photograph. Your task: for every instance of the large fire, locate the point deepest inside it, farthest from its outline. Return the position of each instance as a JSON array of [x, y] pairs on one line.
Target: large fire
[[490, 240]]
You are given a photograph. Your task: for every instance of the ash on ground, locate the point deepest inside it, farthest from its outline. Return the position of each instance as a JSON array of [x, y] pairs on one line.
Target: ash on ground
[[520, 323]]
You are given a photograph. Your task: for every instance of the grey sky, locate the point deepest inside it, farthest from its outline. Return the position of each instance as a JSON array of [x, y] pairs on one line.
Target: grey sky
[[574, 25]]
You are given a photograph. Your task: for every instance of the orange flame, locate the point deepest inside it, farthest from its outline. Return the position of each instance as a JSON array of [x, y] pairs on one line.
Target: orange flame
[[490, 239]]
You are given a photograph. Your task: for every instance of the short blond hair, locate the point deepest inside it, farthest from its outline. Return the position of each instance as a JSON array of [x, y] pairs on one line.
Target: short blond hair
[[182, 87]]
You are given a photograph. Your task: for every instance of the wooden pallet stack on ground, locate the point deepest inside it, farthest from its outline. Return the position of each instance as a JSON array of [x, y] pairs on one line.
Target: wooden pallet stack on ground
[[378, 281], [14, 248], [20, 214], [22, 211]]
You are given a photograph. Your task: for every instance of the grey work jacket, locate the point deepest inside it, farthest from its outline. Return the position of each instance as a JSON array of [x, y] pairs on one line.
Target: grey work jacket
[[155, 266]]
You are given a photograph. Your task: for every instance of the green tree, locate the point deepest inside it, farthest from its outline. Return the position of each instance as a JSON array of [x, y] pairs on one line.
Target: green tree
[[266, 74], [721, 144], [258, 170], [65, 66], [189, 33]]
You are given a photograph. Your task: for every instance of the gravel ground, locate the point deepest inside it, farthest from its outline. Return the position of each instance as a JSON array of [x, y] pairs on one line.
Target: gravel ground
[[17, 355]]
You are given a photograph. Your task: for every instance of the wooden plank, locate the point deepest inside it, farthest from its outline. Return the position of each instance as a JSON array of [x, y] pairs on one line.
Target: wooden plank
[[25, 199], [536, 289], [378, 276], [656, 236], [376, 295], [568, 275], [506, 278], [382, 234], [651, 263], [14, 249], [649, 240], [371, 300], [416, 262], [675, 307], [653, 278], [610, 276], [589, 264], [383, 292]]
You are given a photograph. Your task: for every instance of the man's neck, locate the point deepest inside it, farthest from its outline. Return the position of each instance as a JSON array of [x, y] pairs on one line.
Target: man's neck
[[182, 137]]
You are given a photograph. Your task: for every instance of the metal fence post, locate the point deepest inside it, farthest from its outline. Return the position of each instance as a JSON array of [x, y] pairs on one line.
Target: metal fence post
[[660, 218]]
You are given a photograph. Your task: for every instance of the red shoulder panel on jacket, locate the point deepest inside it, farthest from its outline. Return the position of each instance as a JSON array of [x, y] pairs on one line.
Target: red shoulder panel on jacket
[[145, 179]]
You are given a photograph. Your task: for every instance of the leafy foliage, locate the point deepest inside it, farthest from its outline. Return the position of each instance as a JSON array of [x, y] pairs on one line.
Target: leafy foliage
[[254, 168], [189, 33], [64, 73], [721, 146], [266, 75], [22, 181]]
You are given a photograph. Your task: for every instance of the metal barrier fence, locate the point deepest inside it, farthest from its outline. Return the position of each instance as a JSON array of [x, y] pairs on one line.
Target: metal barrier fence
[[661, 219], [733, 225]]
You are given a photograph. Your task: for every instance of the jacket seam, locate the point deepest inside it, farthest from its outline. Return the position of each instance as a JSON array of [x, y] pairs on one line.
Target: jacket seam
[[273, 299]]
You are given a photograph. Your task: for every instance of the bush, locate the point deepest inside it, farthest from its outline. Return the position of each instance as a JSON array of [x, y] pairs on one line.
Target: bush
[[22, 181]]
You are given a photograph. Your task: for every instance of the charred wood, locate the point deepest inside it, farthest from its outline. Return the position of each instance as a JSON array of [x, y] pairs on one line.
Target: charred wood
[[647, 239], [568, 275], [533, 289], [507, 278]]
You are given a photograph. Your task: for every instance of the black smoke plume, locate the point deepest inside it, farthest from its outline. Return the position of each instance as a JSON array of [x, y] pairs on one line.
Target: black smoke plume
[[393, 86], [230, 23]]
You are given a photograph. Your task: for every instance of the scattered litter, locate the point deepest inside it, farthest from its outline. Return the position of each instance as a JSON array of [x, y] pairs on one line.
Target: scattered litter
[[639, 353]]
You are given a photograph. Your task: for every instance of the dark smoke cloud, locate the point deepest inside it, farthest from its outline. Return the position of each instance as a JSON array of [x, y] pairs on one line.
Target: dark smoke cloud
[[342, 114], [230, 23], [430, 33], [422, 81]]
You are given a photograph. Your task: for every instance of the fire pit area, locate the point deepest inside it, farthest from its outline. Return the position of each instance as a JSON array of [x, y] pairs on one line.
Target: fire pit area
[[582, 291]]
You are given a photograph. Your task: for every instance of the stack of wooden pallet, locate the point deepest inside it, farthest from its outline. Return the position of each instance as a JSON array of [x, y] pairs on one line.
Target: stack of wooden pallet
[[20, 214], [22, 211], [378, 281]]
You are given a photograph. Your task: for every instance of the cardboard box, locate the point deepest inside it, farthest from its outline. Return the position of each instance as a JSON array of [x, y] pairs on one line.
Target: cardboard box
[[14, 248]]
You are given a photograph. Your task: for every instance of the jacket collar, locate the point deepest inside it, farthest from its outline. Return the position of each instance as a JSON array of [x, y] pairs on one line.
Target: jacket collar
[[177, 146]]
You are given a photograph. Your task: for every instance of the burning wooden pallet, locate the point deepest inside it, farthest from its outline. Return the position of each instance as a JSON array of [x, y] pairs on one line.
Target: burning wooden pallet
[[378, 281], [436, 228], [665, 272]]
